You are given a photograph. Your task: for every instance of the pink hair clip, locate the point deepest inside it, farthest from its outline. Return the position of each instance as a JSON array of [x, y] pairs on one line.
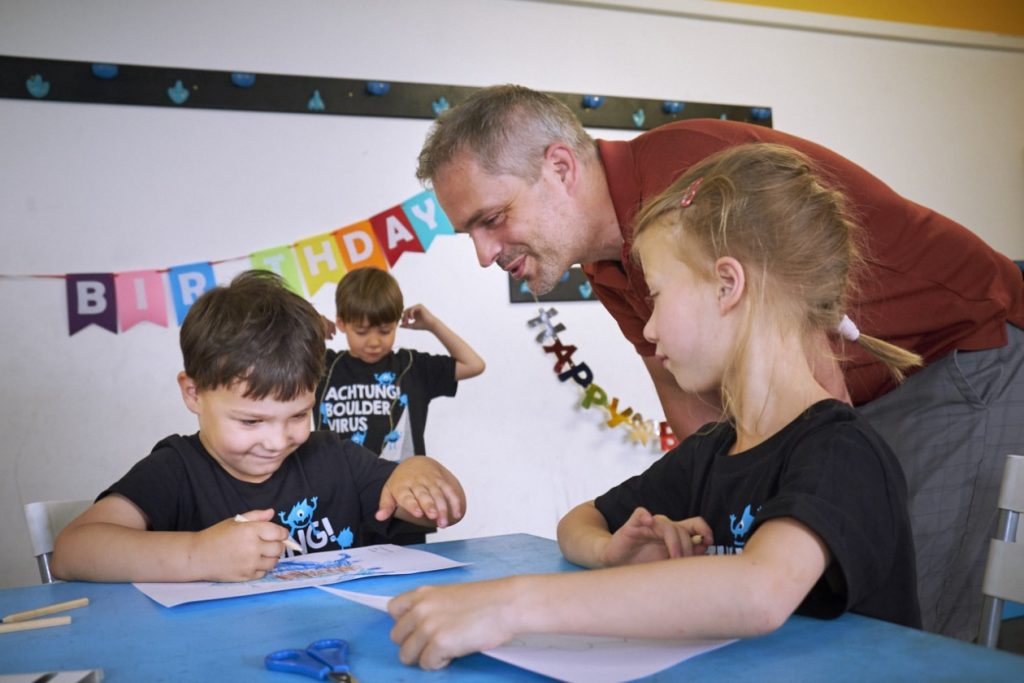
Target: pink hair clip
[[691, 192]]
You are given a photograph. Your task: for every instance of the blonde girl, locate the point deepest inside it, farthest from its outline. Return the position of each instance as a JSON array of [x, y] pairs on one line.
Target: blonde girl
[[790, 503]]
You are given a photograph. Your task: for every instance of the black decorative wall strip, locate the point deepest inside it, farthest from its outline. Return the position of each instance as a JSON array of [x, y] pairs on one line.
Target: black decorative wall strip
[[159, 86]]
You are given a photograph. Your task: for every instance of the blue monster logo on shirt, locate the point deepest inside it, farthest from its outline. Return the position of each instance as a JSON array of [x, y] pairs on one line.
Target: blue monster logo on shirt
[[384, 377], [300, 516], [345, 538], [740, 529]]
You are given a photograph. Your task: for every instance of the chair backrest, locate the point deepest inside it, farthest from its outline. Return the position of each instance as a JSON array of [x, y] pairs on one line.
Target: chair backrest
[[45, 520], [1004, 570]]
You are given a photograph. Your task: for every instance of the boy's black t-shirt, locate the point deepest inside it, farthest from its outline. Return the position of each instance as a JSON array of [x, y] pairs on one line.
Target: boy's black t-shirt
[[325, 493], [827, 469]]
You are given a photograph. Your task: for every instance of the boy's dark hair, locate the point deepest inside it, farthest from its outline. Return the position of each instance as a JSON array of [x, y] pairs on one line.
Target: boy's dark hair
[[254, 330], [369, 295]]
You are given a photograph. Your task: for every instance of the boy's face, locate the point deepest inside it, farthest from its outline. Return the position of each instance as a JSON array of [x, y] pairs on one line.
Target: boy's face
[[369, 343], [249, 438]]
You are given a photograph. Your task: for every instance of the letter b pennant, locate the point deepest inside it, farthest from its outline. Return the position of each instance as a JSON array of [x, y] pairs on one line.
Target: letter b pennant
[[91, 301]]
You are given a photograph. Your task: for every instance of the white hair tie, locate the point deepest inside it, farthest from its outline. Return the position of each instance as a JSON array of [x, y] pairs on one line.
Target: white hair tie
[[848, 330]]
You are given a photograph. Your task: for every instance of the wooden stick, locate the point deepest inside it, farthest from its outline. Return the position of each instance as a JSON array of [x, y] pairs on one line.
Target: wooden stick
[[34, 623], [43, 611]]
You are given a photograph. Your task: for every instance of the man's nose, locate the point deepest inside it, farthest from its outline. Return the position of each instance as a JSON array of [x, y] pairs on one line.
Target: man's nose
[[487, 248]]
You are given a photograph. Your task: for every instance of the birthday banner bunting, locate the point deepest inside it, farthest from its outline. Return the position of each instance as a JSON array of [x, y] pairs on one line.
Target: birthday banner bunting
[[120, 301]]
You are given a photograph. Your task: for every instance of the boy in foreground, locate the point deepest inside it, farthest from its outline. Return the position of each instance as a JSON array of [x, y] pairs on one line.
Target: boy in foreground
[[253, 353]]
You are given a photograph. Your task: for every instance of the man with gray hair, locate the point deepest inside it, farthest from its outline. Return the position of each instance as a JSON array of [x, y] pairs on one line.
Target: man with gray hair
[[514, 169]]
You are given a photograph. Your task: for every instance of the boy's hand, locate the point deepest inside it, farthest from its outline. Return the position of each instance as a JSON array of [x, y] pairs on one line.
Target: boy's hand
[[434, 624], [647, 538], [233, 551], [330, 327], [423, 489], [417, 317]]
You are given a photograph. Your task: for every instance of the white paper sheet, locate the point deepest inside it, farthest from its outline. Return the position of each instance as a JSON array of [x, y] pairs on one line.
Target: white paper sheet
[[314, 569], [579, 659]]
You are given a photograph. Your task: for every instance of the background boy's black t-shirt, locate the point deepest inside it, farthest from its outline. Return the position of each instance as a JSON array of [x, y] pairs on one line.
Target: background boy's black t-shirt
[[827, 469], [367, 401]]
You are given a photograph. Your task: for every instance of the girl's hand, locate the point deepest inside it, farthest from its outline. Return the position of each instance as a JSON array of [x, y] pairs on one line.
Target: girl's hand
[[648, 538], [435, 624], [235, 551]]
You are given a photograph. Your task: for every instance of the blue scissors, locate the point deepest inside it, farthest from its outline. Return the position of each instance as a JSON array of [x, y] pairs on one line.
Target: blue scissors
[[324, 660]]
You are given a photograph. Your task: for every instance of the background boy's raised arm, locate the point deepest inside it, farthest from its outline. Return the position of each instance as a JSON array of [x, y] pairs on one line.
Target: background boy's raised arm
[[468, 362]]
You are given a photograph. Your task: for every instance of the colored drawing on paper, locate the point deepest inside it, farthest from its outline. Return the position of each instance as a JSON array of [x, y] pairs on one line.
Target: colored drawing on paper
[[293, 570]]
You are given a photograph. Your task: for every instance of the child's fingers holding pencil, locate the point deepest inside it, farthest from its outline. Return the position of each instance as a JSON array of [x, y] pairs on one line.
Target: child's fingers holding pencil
[[288, 541]]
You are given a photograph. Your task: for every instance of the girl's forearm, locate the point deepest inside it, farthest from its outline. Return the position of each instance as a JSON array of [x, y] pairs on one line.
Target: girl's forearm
[[582, 534], [696, 597]]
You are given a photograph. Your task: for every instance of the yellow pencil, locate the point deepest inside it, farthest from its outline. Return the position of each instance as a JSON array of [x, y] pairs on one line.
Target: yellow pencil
[[43, 611], [34, 623], [288, 542]]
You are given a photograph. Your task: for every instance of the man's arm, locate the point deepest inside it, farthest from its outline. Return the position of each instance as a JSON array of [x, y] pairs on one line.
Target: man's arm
[[685, 412]]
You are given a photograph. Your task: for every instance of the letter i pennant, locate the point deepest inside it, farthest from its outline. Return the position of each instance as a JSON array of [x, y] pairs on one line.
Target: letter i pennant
[[140, 297]]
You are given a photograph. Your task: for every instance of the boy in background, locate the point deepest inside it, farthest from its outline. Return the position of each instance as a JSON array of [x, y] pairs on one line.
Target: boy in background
[[375, 395], [253, 354]]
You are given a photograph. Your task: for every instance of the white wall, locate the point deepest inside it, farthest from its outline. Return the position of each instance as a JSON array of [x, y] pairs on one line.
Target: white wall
[[95, 188]]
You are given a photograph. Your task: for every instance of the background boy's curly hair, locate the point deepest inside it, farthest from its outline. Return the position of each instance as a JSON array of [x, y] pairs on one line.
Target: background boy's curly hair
[[257, 331]]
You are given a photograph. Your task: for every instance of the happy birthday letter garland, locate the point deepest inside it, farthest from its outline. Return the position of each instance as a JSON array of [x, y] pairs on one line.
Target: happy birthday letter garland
[[122, 300], [640, 430]]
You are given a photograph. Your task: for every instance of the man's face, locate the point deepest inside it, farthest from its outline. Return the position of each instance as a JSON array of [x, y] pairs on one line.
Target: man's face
[[531, 231]]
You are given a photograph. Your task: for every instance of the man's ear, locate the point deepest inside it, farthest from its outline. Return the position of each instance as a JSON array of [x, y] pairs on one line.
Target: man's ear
[[341, 325], [189, 392], [730, 279], [562, 161]]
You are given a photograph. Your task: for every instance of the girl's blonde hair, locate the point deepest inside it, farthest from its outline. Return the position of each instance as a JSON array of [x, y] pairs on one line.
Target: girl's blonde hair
[[767, 206]]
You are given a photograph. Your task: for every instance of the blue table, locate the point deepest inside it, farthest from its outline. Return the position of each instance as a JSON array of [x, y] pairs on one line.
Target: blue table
[[133, 639]]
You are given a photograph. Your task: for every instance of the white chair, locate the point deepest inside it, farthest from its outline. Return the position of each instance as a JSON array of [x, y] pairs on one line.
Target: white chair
[[1004, 570], [45, 520]]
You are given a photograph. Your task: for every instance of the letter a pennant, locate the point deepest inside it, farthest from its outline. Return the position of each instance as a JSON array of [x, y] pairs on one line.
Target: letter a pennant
[[394, 234]]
